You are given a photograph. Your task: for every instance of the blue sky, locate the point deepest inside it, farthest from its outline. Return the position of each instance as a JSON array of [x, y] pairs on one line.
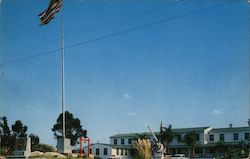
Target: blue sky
[[135, 63]]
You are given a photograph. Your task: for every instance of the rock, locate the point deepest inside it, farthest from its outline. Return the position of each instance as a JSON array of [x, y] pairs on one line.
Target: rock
[[74, 155], [91, 156], [54, 154], [36, 154]]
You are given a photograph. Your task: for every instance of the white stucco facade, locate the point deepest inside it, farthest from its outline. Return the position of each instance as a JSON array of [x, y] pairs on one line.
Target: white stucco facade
[[229, 135], [109, 151], [120, 146], [100, 150]]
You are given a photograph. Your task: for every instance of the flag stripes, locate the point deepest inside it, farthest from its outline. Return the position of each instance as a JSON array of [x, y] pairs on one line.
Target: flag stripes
[[47, 15]]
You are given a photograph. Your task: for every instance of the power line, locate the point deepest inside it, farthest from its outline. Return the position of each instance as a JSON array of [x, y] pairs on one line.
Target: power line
[[95, 27], [117, 33], [32, 56]]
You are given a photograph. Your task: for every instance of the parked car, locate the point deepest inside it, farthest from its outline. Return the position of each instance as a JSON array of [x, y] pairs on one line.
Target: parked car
[[179, 156]]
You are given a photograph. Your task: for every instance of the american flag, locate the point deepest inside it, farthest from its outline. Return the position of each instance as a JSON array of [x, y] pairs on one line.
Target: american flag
[[47, 15]]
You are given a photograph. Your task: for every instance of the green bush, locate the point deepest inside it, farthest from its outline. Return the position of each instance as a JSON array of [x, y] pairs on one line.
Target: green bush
[[43, 148], [5, 151], [233, 153]]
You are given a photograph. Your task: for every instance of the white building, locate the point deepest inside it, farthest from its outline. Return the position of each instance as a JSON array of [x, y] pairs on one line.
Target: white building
[[229, 135], [109, 151], [120, 146], [100, 150]]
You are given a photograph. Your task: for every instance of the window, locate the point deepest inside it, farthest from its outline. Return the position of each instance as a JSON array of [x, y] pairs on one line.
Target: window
[[97, 151], [121, 151], [236, 136], [197, 137], [105, 151], [122, 141], [126, 152], [115, 141], [211, 137], [221, 137], [179, 138], [246, 136], [117, 151], [129, 141]]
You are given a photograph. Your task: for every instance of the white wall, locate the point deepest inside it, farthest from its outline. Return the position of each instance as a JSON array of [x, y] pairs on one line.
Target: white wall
[[228, 137], [101, 150], [120, 156], [119, 140], [112, 152], [174, 143]]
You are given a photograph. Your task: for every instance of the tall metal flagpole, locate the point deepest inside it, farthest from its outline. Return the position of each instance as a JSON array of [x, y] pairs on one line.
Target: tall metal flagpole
[[62, 45]]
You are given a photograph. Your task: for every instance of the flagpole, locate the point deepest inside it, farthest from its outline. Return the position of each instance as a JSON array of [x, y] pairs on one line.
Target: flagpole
[[63, 90]]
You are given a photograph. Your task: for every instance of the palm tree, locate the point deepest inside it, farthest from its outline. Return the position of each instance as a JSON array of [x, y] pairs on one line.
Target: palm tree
[[190, 140], [220, 147], [166, 136]]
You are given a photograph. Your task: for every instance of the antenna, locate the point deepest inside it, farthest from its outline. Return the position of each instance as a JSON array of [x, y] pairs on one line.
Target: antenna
[[156, 139]]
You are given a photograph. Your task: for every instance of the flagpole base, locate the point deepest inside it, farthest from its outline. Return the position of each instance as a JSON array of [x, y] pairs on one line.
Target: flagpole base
[[63, 145]]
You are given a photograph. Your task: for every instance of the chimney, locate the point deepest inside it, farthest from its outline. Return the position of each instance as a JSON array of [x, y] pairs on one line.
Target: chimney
[[230, 125]]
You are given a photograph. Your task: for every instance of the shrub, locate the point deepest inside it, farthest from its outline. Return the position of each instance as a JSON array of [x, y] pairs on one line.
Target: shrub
[[43, 148], [5, 151], [143, 147]]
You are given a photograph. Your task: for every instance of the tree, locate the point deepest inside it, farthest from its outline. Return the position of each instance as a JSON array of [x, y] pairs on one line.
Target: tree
[[19, 129], [220, 148], [73, 128], [166, 136], [1, 132], [190, 140], [7, 140], [34, 141], [244, 148], [233, 152], [5, 127]]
